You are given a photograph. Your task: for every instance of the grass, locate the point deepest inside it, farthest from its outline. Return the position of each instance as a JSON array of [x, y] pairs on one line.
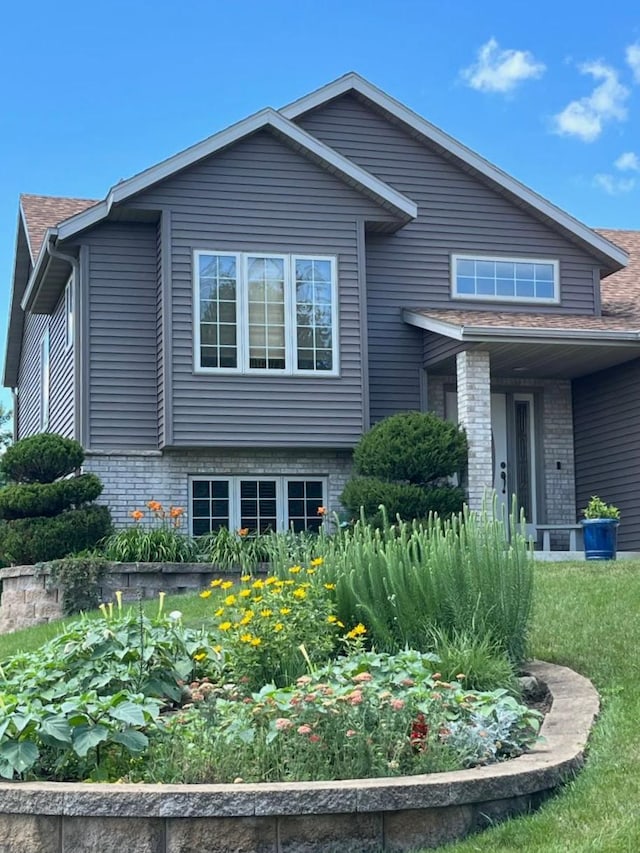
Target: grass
[[587, 616]]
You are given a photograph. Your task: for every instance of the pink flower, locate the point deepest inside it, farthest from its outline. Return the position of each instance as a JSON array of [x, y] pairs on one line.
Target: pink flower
[[355, 698], [351, 732], [397, 704], [304, 730], [282, 724], [314, 738], [407, 682], [362, 676]]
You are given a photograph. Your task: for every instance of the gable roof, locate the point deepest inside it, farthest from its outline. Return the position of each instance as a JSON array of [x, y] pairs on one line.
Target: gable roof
[[41, 212], [385, 195], [613, 255], [620, 292]]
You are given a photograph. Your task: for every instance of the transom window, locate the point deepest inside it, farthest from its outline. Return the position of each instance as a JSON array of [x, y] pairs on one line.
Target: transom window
[[257, 504], [259, 312], [504, 279]]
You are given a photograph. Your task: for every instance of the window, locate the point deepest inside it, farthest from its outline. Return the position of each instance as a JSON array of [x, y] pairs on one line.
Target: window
[[256, 503], [44, 381], [505, 279], [68, 315], [257, 313]]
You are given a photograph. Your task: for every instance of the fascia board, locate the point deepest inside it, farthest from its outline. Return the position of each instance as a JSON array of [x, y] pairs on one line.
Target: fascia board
[[34, 279], [490, 334], [353, 81], [265, 118]]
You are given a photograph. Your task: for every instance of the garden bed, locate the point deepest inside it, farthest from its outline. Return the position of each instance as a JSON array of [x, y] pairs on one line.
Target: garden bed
[[398, 814]]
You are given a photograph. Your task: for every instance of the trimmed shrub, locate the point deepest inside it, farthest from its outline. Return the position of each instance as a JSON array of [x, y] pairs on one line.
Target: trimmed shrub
[[41, 458], [406, 500], [415, 446], [27, 500], [26, 541]]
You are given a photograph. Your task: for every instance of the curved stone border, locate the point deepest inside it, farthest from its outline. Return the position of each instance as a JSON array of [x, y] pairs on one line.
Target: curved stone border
[[368, 815]]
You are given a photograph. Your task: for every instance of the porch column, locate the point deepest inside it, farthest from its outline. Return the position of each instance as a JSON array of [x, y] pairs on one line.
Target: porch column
[[474, 414]]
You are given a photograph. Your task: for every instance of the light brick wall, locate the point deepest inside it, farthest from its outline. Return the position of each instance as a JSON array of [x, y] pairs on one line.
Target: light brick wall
[[556, 443], [474, 414], [132, 479]]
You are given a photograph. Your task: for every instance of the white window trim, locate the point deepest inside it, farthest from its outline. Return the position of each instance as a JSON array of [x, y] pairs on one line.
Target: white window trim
[[45, 379], [234, 494], [242, 319], [531, 300], [69, 316]]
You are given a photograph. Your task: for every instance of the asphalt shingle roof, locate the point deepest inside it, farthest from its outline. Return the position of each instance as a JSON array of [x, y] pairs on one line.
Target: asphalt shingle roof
[[46, 211]]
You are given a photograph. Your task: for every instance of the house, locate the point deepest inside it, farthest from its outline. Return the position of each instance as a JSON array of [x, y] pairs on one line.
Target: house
[[220, 329]]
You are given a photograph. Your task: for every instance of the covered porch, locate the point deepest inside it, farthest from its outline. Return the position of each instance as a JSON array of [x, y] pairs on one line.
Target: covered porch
[[507, 378]]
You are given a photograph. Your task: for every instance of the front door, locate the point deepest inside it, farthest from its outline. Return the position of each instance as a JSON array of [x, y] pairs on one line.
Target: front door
[[512, 450]]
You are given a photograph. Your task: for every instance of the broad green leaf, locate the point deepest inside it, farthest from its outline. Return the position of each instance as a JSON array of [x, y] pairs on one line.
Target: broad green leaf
[[55, 729], [19, 754], [128, 712], [132, 740], [87, 737]]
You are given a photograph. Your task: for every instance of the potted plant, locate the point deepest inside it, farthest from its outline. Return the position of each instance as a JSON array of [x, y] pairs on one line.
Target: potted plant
[[600, 529]]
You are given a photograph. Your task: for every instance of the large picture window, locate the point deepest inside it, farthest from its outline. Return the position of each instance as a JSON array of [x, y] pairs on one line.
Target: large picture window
[[505, 279], [256, 503], [265, 313]]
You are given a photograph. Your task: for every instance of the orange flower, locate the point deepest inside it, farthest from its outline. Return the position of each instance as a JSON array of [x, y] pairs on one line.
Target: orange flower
[[176, 511], [243, 531], [154, 506], [136, 514], [322, 510]]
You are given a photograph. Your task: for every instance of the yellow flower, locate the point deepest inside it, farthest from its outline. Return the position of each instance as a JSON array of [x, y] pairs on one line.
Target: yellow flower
[[217, 649], [271, 579], [266, 613], [299, 593], [357, 631], [200, 656], [246, 638], [256, 641], [245, 593], [317, 562], [216, 582], [226, 584], [205, 593], [331, 619], [245, 578], [340, 624], [219, 611], [311, 571], [295, 569], [259, 584], [278, 626], [224, 626], [285, 610], [329, 586], [248, 616], [289, 582], [229, 600]]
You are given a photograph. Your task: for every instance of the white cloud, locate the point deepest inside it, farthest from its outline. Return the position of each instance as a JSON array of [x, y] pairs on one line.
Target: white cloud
[[633, 60], [586, 117], [613, 185], [501, 70], [628, 162]]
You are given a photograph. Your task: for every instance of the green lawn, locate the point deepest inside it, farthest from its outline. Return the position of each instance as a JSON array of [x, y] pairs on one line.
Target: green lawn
[[587, 616]]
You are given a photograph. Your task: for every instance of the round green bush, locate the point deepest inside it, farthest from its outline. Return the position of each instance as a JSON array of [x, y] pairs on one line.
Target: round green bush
[[406, 500], [26, 541], [41, 458], [28, 500], [418, 447]]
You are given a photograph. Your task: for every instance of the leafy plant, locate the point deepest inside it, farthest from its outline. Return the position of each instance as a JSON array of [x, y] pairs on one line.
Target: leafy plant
[[597, 508], [79, 578], [405, 462], [158, 540], [41, 458], [228, 550]]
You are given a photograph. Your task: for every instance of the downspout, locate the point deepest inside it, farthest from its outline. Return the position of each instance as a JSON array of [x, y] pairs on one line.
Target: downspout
[[61, 256], [14, 399]]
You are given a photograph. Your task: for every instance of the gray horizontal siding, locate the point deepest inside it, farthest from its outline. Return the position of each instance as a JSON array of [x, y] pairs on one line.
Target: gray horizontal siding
[[457, 212], [159, 336], [439, 347], [61, 396], [29, 375], [260, 195], [606, 413], [123, 358]]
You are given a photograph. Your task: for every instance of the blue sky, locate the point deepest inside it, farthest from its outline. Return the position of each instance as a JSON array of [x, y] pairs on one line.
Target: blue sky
[[95, 92]]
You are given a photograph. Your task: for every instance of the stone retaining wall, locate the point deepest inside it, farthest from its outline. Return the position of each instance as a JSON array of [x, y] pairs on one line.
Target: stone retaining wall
[[352, 816], [26, 601]]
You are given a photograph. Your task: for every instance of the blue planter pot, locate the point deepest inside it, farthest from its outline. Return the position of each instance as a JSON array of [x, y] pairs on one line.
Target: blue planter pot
[[600, 538]]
